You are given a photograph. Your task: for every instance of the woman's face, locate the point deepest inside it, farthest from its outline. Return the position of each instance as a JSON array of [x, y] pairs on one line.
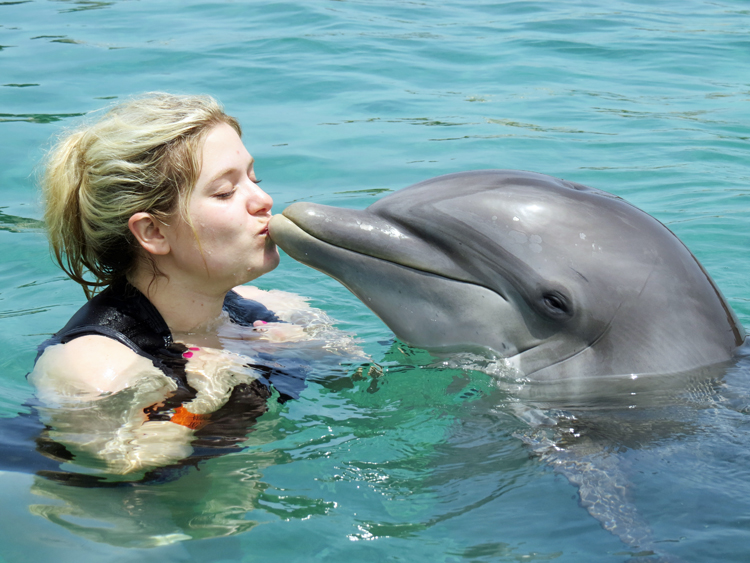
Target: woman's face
[[230, 214]]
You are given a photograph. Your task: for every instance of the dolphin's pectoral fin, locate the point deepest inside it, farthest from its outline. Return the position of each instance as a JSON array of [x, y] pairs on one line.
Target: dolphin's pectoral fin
[[603, 488], [604, 492]]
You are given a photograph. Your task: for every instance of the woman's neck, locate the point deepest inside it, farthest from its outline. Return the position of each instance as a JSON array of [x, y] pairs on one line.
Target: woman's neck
[[184, 308]]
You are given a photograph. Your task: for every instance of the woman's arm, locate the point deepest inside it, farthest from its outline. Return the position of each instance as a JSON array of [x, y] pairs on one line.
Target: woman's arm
[[302, 323], [88, 368], [94, 390], [291, 308]]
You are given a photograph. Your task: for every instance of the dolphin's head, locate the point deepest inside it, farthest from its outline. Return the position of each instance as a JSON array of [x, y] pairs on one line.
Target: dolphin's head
[[562, 279]]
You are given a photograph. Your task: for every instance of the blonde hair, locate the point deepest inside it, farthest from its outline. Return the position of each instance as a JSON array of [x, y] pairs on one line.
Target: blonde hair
[[141, 156]]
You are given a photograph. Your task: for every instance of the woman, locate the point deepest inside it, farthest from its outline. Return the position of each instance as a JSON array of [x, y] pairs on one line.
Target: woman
[[159, 203]]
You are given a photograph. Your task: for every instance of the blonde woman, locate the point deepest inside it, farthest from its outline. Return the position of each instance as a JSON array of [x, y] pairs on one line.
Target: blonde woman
[[155, 209]]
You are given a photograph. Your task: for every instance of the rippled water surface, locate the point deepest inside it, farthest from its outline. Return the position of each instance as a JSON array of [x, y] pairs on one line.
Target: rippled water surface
[[402, 458]]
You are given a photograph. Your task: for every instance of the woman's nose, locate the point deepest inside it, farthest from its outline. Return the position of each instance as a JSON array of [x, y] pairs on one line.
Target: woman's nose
[[259, 201]]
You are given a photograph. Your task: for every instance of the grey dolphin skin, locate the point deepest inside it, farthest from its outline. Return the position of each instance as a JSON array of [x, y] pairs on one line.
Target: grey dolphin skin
[[565, 280]]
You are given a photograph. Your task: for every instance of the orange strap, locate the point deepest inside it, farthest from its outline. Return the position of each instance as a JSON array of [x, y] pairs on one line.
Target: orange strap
[[184, 417]]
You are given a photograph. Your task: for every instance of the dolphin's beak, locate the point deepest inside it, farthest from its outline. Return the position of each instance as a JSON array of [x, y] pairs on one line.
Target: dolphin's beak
[[398, 277]]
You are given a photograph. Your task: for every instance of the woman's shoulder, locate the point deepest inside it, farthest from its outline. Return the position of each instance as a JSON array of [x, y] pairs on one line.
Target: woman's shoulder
[[86, 368]]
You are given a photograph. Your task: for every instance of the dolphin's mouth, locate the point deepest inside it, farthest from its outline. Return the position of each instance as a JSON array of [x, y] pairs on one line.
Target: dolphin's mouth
[[281, 226], [422, 307], [517, 360], [513, 344]]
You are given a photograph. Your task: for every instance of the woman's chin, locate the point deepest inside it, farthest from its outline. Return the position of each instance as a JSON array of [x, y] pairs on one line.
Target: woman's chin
[[272, 258], [270, 261]]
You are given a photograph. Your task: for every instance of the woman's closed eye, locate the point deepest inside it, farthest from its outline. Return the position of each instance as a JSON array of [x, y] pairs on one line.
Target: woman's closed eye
[[225, 194]]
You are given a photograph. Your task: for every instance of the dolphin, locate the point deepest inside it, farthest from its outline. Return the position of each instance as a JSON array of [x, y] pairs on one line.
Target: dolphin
[[565, 281]]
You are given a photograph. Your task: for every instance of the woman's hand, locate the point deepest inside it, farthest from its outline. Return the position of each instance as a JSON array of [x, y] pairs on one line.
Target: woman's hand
[[279, 332]]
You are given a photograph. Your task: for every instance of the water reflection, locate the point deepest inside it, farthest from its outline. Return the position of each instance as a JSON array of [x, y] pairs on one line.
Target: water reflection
[[208, 494], [152, 514], [209, 499], [14, 224], [613, 446], [37, 117], [420, 449], [207, 481], [83, 5]]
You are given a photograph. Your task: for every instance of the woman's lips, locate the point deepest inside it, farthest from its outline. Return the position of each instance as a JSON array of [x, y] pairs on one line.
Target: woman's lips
[[264, 230]]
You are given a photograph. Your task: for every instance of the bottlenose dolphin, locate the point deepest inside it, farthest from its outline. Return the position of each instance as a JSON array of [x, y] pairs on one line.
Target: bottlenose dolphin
[[572, 284], [564, 280]]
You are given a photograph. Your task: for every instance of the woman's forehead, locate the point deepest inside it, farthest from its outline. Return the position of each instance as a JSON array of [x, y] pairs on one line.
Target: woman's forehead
[[222, 152]]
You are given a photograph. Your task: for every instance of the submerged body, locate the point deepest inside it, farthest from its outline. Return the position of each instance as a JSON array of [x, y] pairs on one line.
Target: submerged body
[[564, 280]]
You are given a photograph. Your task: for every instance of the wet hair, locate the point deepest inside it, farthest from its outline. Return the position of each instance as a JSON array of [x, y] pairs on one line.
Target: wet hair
[[142, 155]]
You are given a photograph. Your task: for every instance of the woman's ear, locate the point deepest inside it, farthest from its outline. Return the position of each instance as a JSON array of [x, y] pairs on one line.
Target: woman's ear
[[149, 233]]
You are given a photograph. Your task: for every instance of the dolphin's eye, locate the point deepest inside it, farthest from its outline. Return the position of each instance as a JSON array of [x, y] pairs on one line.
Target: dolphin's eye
[[556, 304]]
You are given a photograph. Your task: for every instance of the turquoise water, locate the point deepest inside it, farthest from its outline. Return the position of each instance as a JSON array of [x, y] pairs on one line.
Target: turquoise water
[[342, 101]]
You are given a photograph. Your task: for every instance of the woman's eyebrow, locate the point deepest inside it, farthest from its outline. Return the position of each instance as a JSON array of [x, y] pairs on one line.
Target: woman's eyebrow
[[228, 171]]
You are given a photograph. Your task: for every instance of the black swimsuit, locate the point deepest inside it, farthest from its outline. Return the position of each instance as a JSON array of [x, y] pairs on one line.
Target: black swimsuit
[[123, 313]]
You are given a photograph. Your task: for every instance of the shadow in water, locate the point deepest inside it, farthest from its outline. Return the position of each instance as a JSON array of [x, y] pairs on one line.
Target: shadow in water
[[208, 494]]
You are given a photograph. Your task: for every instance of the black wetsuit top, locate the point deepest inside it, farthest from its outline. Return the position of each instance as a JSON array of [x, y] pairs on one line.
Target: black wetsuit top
[[123, 313]]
